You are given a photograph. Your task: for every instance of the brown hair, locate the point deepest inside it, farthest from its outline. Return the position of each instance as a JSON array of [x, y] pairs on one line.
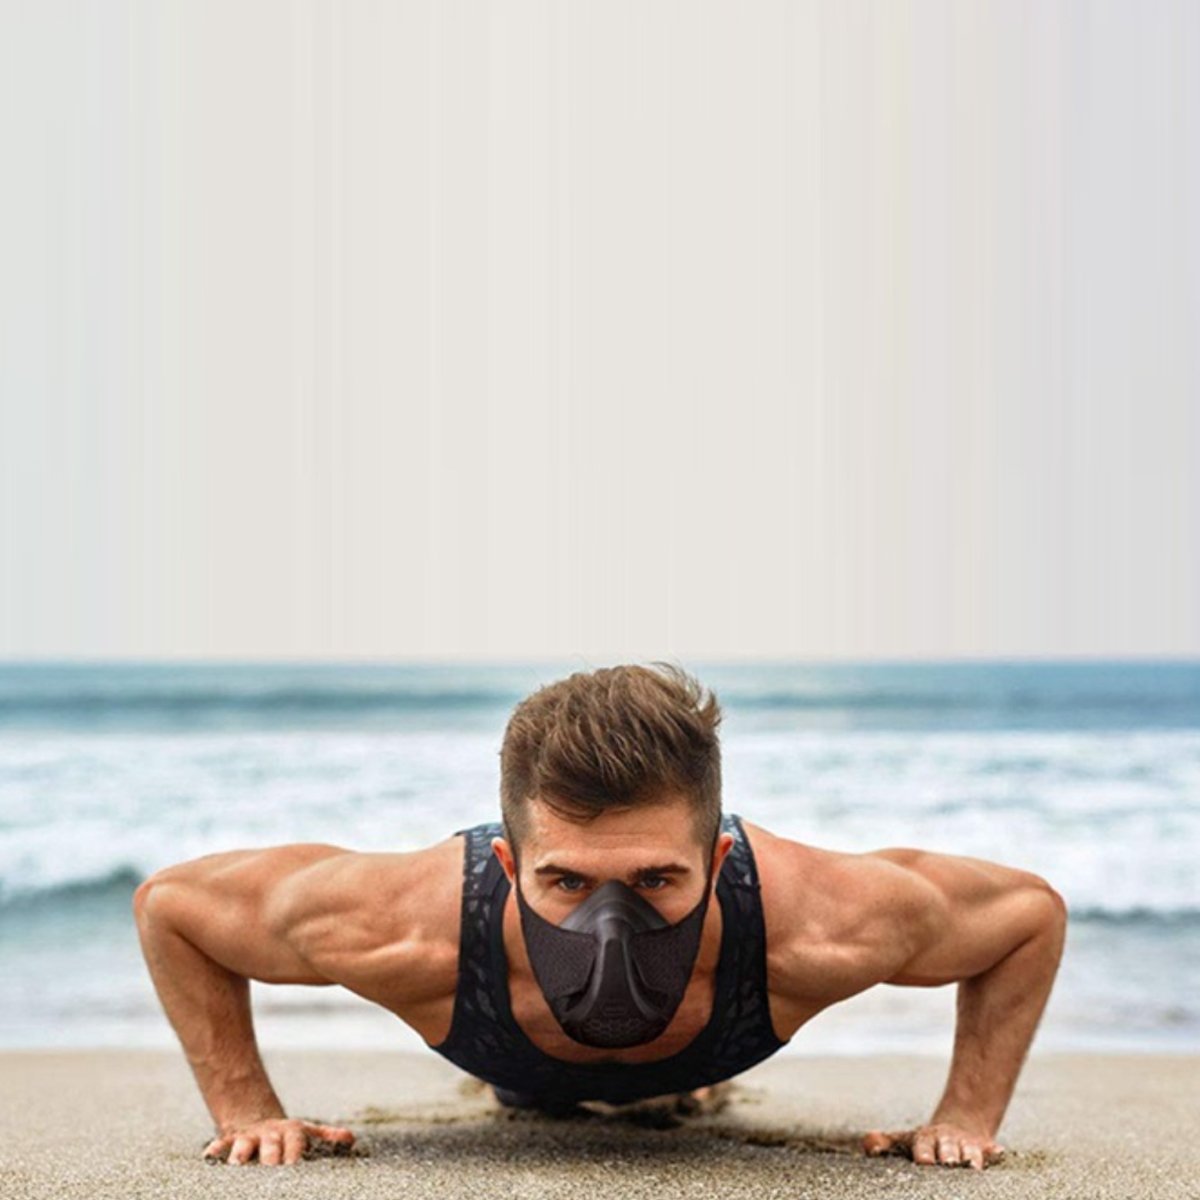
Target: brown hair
[[613, 738]]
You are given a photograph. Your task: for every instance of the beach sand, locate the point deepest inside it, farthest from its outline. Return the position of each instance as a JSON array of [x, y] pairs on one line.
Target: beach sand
[[111, 1123]]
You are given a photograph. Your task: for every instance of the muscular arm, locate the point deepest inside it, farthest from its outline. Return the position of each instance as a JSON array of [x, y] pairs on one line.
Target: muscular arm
[[998, 933], [838, 924], [207, 928], [300, 914]]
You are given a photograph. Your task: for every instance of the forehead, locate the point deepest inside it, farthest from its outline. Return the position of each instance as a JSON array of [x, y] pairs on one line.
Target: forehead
[[660, 832]]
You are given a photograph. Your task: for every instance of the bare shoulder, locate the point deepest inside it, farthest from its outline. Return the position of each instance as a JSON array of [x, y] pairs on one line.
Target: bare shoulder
[[835, 921], [383, 924], [839, 923]]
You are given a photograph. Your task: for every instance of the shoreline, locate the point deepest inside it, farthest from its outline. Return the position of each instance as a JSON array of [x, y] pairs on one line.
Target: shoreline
[[107, 1122]]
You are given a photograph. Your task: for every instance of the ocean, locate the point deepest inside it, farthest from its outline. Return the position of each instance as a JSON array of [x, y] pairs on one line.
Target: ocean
[[1087, 773]]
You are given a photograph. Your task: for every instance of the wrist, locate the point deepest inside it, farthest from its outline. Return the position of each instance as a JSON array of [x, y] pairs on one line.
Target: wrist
[[245, 1104], [965, 1117], [238, 1096], [232, 1122]]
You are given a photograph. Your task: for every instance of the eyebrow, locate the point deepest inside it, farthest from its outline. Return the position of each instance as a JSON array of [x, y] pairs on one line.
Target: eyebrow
[[664, 869]]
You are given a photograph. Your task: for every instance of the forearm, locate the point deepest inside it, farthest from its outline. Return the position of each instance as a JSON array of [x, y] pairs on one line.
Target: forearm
[[997, 1015], [208, 1006]]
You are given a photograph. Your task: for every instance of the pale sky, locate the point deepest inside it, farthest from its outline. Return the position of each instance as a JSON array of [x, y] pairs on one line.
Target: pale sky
[[624, 329]]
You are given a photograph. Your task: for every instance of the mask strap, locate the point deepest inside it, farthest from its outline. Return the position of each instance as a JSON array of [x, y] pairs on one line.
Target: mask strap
[[708, 869]]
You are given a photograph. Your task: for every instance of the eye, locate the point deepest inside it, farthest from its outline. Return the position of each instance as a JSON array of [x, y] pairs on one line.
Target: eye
[[570, 883], [654, 883]]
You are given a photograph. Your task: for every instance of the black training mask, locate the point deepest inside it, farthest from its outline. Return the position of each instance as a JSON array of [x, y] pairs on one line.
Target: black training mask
[[615, 970]]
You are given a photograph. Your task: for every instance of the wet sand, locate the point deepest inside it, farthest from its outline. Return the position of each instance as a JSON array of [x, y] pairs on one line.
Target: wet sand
[[108, 1123]]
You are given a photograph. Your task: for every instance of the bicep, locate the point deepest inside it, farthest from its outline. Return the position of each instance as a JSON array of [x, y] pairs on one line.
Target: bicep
[[244, 909], [955, 916]]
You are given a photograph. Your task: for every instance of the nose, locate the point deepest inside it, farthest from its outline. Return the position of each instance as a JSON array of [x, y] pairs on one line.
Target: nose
[[614, 902]]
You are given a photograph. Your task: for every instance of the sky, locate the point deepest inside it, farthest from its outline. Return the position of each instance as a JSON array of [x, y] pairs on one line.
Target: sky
[[445, 330]]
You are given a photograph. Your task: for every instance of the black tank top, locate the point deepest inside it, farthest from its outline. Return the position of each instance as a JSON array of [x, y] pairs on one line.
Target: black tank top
[[486, 1041]]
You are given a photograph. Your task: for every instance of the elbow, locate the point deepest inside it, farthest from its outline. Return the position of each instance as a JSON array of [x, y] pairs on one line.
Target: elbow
[[141, 899], [1047, 900], [1058, 905], [1053, 923], [147, 899]]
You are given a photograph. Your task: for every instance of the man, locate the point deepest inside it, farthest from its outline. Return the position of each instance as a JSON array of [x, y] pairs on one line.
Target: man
[[571, 953]]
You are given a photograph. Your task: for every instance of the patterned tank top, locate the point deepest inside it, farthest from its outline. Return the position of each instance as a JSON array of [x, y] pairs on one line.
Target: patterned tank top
[[486, 1041]]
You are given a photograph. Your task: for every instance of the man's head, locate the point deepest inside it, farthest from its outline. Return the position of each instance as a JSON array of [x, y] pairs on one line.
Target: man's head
[[623, 737], [611, 794]]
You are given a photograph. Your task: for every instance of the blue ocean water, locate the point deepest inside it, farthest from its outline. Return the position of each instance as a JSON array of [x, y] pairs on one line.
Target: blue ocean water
[[1085, 772]]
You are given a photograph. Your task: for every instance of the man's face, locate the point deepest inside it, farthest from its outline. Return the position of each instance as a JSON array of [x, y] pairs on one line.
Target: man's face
[[652, 848]]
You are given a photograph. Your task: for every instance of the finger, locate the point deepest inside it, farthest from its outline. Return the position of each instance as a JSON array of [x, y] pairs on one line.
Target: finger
[[216, 1149], [896, 1139], [973, 1154], [877, 1142], [948, 1149], [294, 1143], [270, 1151], [243, 1149], [331, 1133], [923, 1147]]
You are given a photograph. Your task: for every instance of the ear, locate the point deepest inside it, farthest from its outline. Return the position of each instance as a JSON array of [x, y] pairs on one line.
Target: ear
[[503, 851], [723, 847]]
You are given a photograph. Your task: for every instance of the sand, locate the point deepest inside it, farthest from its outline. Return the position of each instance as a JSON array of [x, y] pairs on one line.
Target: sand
[[110, 1123]]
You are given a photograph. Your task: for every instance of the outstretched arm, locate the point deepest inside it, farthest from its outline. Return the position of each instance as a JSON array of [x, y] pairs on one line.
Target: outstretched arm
[[382, 925], [207, 927], [999, 934]]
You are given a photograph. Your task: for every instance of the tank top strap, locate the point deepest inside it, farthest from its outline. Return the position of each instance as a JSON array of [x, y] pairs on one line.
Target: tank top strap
[[739, 867], [481, 865], [482, 876], [747, 1020]]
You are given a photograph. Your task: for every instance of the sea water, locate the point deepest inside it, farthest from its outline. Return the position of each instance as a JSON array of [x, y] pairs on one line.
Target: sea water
[[1087, 773]]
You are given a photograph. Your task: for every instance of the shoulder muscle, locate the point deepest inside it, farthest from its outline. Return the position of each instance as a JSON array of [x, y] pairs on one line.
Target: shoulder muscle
[[385, 925], [837, 923]]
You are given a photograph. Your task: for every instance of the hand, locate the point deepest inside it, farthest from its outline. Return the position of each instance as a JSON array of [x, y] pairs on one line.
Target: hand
[[276, 1140], [942, 1143]]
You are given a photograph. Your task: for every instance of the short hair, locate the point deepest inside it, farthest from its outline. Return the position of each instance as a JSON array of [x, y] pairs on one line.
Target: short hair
[[613, 738]]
